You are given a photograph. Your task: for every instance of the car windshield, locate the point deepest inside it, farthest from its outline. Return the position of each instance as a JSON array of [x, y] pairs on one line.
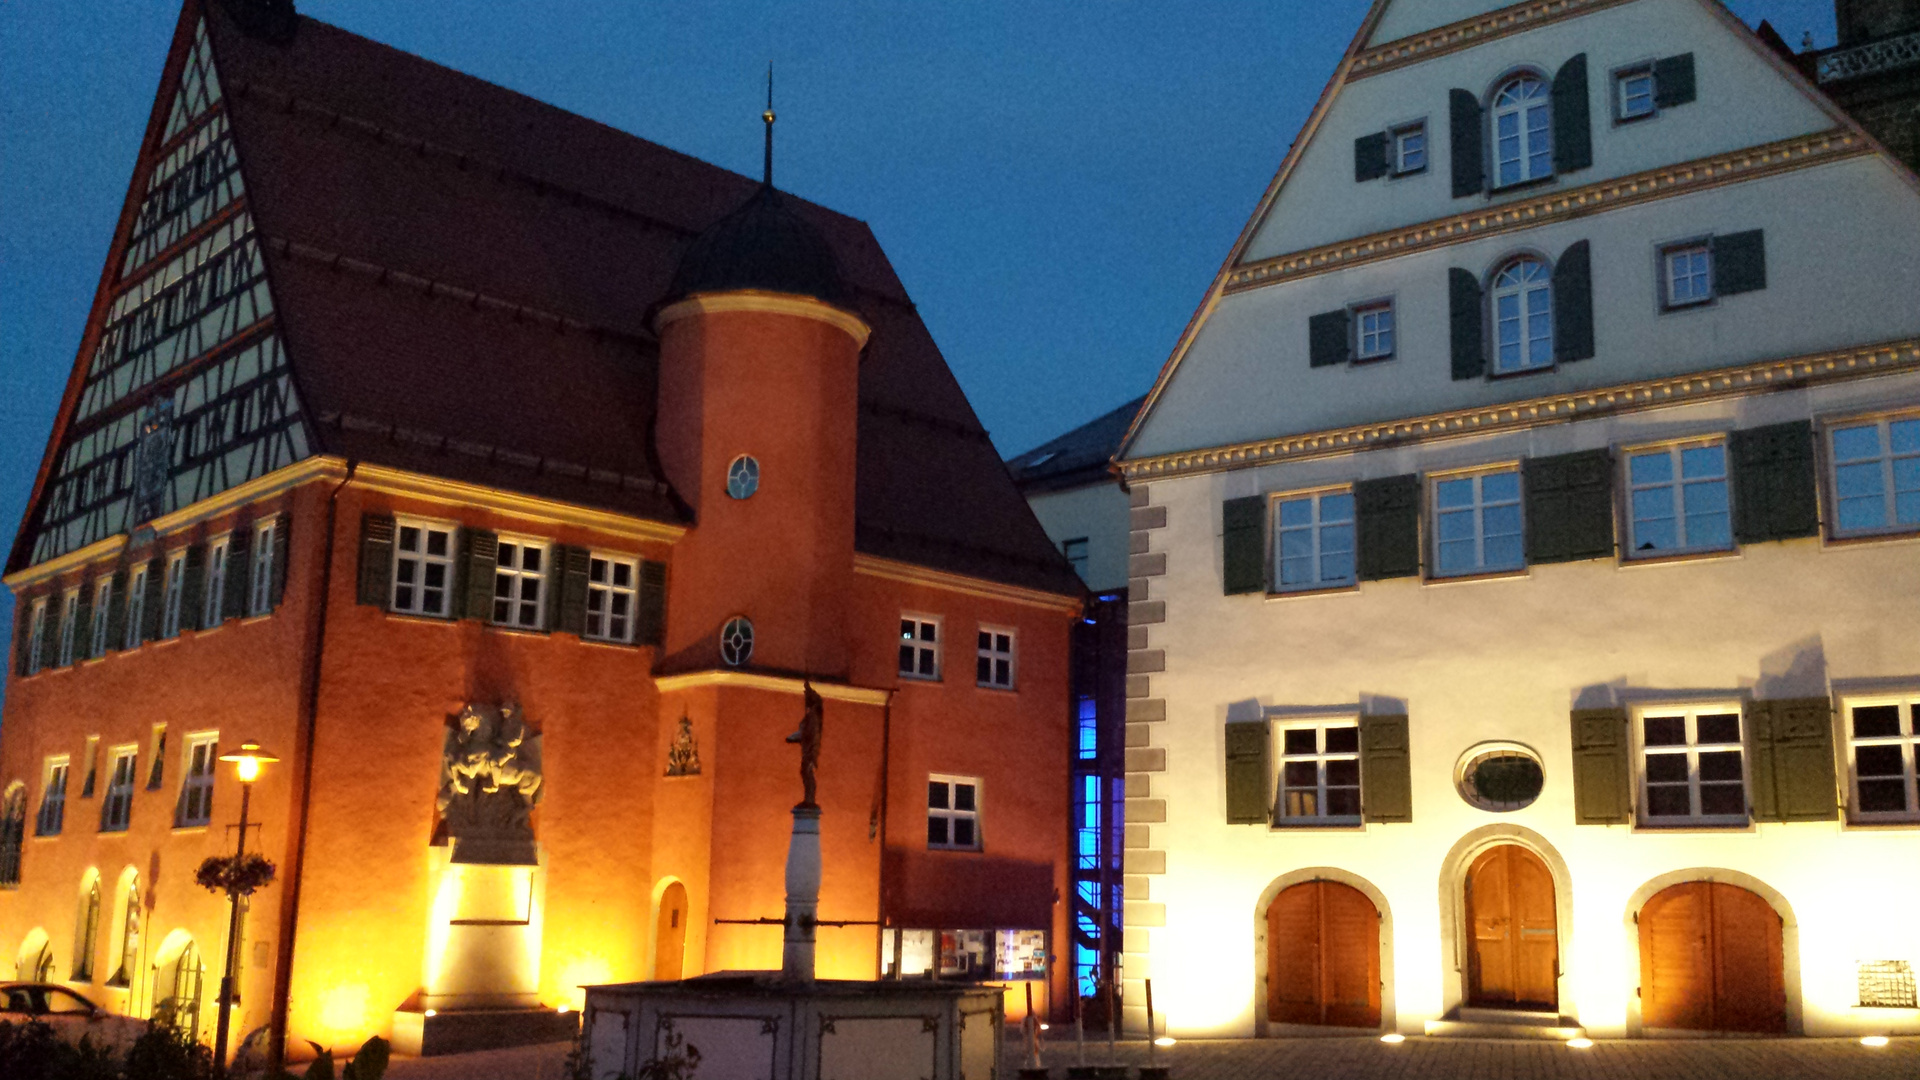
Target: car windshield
[[65, 1001]]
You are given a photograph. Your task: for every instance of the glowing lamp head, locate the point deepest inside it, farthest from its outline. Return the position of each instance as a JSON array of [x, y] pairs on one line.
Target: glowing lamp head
[[248, 759]]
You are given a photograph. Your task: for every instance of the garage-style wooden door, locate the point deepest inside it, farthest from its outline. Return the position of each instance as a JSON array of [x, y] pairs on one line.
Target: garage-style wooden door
[[1710, 960], [1513, 959], [1323, 956]]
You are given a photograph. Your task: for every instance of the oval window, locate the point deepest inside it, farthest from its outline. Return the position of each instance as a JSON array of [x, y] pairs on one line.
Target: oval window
[[743, 477], [736, 641], [1499, 777]]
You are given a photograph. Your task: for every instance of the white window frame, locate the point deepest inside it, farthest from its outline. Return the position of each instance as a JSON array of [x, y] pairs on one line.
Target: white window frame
[[1478, 510], [951, 813], [199, 762], [1398, 151], [422, 562], [1691, 750], [214, 601], [1281, 811], [260, 572], [1908, 742], [55, 775], [607, 591], [1622, 78], [1698, 269], [1375, 341], [1003, 665], [1523, 112], [173, 595], [510, 607], [1887, 459], [1316, 530], [102, 612], [922, 646], [1679, 485], [36, 635], [119, 794], [69, 611], [136, 606], [1521, 290]]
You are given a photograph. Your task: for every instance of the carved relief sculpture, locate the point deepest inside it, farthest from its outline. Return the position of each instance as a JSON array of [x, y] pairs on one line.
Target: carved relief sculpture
[[490, 781], [683, 757]]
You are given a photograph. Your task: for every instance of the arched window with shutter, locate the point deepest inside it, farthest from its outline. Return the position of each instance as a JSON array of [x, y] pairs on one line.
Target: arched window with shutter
[[1522, 312], [1522, 131]]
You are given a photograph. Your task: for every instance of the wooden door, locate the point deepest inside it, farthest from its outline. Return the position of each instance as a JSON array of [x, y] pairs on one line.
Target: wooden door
[[670, 933], [1513, 947], [1323, 956], [1711, 960]]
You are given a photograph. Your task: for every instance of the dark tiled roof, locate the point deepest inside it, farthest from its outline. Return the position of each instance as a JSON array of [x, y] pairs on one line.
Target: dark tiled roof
[[464, 276], [763, 245], [1078, 457]]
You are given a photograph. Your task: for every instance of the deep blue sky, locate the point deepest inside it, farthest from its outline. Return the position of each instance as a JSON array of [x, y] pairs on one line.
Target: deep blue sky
[[1055, 182]]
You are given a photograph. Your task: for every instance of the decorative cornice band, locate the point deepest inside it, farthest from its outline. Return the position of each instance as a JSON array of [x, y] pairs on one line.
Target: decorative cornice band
[[1684, 179], [773, 303], [893, 570], [456, 493], [1470, 32], [1883, 359], [779, 684]]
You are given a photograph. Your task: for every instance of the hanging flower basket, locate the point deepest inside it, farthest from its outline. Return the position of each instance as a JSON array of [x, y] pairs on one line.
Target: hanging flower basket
[[241, 876]]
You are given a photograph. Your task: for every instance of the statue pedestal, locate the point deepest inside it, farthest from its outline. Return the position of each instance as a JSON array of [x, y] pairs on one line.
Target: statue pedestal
[[483, 943]]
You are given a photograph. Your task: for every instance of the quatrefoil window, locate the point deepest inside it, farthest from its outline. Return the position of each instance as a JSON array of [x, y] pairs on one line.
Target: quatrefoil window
[[743, 477], [736, 641]]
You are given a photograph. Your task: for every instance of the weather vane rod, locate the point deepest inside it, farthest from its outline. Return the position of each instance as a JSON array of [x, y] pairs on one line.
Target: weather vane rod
[[768, 117]]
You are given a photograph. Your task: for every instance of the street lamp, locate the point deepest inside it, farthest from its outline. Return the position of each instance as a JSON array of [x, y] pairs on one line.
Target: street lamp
[[246, 764]]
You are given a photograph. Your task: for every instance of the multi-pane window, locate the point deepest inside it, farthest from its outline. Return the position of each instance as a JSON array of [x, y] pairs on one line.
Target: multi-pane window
[[953, 812], [1679, 499], [86, 932], [260, 573], [422, 568], [1319, 773], [175, 594], [1633, 93], [1477, 523], [215, 594], [117, 808], [102, 608], [157, 758], [518, 576], [612, 593], [1693, 767], [1313, 541], [129, 934], [1881, 739], [994, 667], [1523, 316], [1409, 149], [1686, 273], [919, 647], [1522, 132], [196, 787], [1876, 475], [136, 606], [53, 799], [69, 614], [13, 834], [1373, 331], [36, 635]]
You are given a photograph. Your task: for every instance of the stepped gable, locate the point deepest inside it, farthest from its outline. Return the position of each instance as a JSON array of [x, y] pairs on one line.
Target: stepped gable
[[464, 277]]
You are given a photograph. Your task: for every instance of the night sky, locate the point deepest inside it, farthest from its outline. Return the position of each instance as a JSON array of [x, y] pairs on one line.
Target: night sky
[[1056, 183]]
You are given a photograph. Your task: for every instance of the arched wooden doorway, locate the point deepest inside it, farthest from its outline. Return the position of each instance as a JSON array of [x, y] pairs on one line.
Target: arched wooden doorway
[[1513, 948], [670, 933], [1323, 956], [1710, 960]]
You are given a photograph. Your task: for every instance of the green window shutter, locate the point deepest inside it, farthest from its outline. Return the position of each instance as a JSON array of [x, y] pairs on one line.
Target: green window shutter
[[1602, 768], [193, 588], [1243, 544], [233, 596], [1573, 304], [376, 559], [117, 612], [1328, 339], [572, 564], [651, 627], [1387, 527], [480, 551], [1793, 771], [1386, 777], [1248, 791], [50, 637], [281, 545], [1569, 507], [1469, 160], [152, 610], [1774, 482], [1739, 262], [1673, 81], [22, 635], [83, 625], [1465, 326], [1572, 122], [1370, 157]]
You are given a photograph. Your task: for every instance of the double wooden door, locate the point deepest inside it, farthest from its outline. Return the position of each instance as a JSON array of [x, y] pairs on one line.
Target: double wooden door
[[1323, 956], [1710, 960], [1513, 959]]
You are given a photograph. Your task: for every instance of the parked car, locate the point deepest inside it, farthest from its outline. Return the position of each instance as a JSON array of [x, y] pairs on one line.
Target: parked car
[[69, 1013]]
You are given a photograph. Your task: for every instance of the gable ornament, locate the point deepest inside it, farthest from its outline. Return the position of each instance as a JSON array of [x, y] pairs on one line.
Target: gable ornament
[[683, 757]]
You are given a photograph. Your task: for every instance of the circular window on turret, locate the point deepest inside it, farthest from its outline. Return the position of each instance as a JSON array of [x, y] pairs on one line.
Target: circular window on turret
[[736, 641], [743, 477], [1499, 777]]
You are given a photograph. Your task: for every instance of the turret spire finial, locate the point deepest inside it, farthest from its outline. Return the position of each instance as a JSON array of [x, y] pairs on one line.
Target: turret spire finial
[[768, 117]]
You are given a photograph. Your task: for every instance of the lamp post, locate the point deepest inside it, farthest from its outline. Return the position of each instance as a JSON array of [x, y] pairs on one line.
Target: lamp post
[[246, 764]]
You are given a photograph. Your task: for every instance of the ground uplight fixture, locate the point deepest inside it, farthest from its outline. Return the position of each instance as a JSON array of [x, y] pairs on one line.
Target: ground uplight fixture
[[1165, 1040], [1875, 1041], [1580, 1043], [1393, 1038]]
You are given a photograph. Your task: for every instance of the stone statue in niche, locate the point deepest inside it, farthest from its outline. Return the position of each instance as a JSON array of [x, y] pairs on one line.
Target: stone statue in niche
[[683, 757], [152, 460], [490, 781], [809, 739]]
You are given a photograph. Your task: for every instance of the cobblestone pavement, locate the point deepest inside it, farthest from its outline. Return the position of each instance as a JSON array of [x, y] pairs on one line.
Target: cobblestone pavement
[[1369, 1059]]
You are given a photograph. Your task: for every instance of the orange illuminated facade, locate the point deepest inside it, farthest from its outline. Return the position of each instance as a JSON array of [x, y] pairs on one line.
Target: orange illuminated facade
[[509, 477]]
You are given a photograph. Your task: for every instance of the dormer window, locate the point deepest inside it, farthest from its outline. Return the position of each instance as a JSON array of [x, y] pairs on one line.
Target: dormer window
[[1522, 131]]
